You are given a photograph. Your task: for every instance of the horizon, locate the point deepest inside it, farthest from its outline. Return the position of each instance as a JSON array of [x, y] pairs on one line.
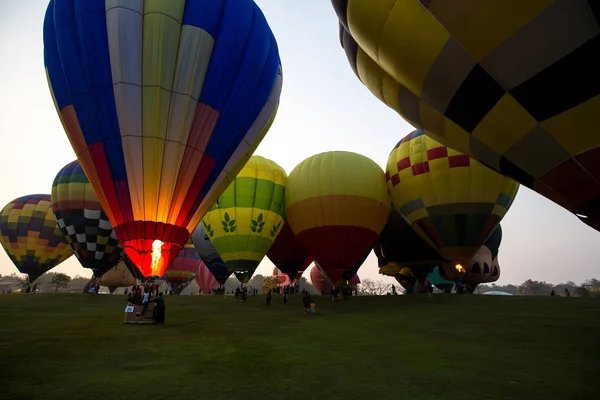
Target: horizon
[[323, 107]]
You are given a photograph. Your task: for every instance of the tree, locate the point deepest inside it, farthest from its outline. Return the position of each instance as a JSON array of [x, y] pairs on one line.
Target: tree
[[60, 280], [270, 283], [370, 287]]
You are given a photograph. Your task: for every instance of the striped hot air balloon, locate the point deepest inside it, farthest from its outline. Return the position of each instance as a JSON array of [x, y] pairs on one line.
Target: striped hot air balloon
[[163, 102], [183, 269], [205, 280], [30, 236], [83, 222], [337, 204], [248, 217]]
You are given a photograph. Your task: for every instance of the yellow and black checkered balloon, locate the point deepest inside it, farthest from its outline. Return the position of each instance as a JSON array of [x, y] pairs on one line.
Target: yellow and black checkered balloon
[[514, 84], [31, 237], [451, 200]]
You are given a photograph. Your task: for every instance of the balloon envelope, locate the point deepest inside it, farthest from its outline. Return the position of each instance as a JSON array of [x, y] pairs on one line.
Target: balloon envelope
[[83, 222], [30, 236], [118, 276], [245, 221], [205, 279], [183, 269], [210, 255], [455, 77], [284, 278], [163, 102], [337, 204], [452, 201], [287, 253]]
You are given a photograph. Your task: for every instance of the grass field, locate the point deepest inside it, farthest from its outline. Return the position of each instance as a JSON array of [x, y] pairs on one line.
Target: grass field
[[75, 346]]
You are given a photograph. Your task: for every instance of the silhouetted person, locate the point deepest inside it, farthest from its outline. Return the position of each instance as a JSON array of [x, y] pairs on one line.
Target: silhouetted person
[[159, 310], [268, 298], [306, 302], [552, 293], [284, 298], [567, 294]]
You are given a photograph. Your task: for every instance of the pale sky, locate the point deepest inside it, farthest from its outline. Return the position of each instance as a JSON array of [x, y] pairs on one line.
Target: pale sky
[[323, 107]]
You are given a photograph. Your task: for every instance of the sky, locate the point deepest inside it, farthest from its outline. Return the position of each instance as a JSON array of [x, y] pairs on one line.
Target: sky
[[323, 107]]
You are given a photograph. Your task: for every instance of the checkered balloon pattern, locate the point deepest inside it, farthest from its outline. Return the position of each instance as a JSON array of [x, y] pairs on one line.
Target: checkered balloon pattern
[[82, 220], [514, 87], [30, 236], [450, 200]]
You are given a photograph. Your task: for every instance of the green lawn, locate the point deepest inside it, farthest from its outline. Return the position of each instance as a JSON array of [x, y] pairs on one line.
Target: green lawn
[[61, 346]]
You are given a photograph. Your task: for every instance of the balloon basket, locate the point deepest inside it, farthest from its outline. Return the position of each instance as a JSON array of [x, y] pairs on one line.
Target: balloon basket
[[134, 314]]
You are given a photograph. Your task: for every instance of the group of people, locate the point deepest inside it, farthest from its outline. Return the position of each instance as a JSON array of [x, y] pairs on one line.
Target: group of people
[[567, 293], [309, 305], [142, 295]]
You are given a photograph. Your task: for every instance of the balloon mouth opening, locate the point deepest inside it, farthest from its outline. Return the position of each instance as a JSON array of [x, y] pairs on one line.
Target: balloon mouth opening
[[151, 257], [151, 246]]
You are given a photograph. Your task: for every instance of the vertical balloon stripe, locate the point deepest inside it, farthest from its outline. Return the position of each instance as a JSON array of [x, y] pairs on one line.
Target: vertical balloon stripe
[[124, 29]]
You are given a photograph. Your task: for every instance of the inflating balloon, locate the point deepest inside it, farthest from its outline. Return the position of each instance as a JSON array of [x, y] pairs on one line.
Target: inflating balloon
[[116, 277], [284, 279], [448, 67], [210, 255], [163, 102], [337, 204], [205, 279], [181, 271], [248, 216], [287, 253], [83, 222], [30, 236], [399, 246], [452, 201]]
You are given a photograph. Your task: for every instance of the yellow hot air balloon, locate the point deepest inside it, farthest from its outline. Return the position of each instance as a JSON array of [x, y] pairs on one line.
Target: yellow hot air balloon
[[337, 205], [450, 200], [512, 83], [248, 216]]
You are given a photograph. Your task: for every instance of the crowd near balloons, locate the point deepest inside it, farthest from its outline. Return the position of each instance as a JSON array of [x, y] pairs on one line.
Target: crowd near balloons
[[164, 104]]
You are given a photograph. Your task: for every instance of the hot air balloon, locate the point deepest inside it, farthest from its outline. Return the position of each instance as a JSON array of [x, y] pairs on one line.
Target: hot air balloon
[[118, 276], [287, 253], [319, 281], [30, 236], [205, 280], [399, 246], [455, 77], [284, 278], [248, 216], [481, 267], [82, 221], [163, 102], [337, 204], [452, 201], [495, 275], [209, 255], [182, 270], [323, 285]]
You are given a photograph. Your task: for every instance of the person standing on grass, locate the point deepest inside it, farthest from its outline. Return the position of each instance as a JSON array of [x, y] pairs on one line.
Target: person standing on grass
[[284, 298], [306, 302], [159, 310], [269, 298]]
